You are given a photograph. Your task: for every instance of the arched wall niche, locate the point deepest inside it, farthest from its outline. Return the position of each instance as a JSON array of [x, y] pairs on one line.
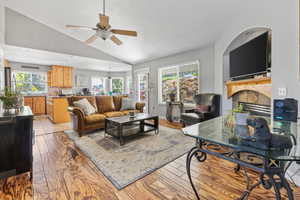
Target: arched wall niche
[[238, 41], [241, 38]]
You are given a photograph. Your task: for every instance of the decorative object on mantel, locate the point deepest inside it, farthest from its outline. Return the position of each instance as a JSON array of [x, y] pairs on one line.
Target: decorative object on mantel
[[174, 110], [11, 99]]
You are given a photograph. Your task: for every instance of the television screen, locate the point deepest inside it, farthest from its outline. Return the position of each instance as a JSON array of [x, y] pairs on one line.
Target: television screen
[[250, 58]]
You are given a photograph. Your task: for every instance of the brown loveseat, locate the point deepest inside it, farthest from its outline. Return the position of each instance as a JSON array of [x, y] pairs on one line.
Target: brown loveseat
[[107, 106]]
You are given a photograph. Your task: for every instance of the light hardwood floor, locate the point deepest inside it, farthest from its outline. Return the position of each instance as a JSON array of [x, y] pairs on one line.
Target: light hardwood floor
[[62, 172]]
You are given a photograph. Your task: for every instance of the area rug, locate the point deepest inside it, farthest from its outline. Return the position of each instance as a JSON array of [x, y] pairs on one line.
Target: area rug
[[138, 157]]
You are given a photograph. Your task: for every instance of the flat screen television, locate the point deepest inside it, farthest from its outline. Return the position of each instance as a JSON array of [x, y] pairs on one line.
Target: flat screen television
[[251, 58]]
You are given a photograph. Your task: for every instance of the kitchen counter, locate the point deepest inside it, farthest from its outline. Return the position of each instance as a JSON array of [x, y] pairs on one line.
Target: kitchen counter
[[35, 95], [24, 112]]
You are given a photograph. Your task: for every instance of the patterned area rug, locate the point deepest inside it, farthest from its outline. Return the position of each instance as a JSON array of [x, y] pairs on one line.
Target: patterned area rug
[[140, 155]]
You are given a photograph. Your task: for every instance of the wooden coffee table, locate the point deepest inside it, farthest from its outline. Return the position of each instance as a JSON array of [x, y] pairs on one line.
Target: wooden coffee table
[[118, 126]]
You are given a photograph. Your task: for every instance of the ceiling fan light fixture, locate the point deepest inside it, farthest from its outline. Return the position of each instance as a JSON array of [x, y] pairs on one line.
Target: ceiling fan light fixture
[[103, 34], [104, 30]]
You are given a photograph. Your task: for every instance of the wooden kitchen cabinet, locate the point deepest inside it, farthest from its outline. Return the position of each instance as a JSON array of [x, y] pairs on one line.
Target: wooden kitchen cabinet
[[61, 77], [68, 77], [28, 101], [50, 79], [37, 104]]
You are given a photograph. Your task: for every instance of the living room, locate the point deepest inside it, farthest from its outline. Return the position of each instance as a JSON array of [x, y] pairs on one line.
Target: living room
[[114, 111]]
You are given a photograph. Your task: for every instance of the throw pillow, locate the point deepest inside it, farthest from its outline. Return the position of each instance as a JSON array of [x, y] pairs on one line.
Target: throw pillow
[[127, 104], [105, 104], [86, 106], [202, 108]]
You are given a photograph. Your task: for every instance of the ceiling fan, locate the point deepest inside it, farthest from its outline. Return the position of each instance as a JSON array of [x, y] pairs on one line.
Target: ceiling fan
[[104, 30]]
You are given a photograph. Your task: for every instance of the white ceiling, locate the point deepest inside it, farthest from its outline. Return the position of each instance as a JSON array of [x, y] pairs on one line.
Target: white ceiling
[[164, 27], [33, 56]]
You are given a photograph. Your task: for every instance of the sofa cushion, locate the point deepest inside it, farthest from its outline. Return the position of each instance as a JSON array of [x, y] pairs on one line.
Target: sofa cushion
[[126, 112], [117, 102], [94, 118], [105, 104], [91, 99], [127, 104], [86, 106], [113, 114]]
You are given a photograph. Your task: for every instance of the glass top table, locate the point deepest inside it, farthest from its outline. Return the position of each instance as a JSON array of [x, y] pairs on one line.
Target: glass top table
[[218, 132], [272, 165]]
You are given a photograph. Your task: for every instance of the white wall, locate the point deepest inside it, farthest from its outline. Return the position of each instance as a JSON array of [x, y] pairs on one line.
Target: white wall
[[282, 18], [25, 32], [206, 59]]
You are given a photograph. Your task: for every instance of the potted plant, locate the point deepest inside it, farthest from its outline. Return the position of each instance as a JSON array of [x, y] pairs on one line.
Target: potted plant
[[240, 115], [230, 128], [236, 123], [11, 99]]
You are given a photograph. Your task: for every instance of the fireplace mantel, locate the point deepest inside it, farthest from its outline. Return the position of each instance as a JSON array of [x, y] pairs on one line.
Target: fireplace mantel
[[262, 85]]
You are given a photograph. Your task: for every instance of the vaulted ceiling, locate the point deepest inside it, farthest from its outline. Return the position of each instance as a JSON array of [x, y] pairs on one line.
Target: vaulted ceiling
[[164, 27]]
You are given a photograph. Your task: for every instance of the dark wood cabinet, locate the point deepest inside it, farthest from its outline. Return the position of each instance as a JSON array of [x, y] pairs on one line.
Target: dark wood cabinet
[[16, 140]]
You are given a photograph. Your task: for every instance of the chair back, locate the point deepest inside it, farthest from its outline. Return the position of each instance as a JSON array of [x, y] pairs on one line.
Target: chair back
[[209, 99]]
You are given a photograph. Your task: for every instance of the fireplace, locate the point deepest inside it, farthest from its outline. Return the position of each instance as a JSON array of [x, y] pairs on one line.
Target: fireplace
[[253, 94], [249, 96]]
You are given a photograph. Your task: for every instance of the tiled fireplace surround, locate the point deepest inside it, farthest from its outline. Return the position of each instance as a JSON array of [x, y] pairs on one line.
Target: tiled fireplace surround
[[259, 92]]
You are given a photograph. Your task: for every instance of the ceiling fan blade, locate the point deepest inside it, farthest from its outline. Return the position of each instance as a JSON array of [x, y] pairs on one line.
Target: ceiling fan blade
[[104, 21], [116, 40], [124, 32], [80, 27], [91, 39]]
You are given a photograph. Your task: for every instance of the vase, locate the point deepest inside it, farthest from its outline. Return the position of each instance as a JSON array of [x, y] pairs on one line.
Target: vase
[[241, 118], [172, 97]]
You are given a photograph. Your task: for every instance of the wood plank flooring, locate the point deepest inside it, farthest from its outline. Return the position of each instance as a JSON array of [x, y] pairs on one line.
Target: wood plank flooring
[[62, 172]]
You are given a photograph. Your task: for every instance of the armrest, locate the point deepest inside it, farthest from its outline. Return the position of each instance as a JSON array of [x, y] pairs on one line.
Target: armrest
[[190, 111], [78, 118], [77, 111], [140, 106]]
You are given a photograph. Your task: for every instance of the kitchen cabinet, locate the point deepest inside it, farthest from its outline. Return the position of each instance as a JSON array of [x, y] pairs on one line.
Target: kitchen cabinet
[[50, 79], [60, 76], [68, 77], [28, 101], [57, 109], [37, 104]]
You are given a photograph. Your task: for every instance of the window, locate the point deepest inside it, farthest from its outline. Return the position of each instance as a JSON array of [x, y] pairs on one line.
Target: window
[[117, 86], [128, 89], [98, 85], [1, 80], [30, 82], [142, 87], [181, 80]]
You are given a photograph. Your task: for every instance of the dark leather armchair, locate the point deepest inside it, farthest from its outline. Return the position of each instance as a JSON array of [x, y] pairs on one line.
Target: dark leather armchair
[[210, 104]]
